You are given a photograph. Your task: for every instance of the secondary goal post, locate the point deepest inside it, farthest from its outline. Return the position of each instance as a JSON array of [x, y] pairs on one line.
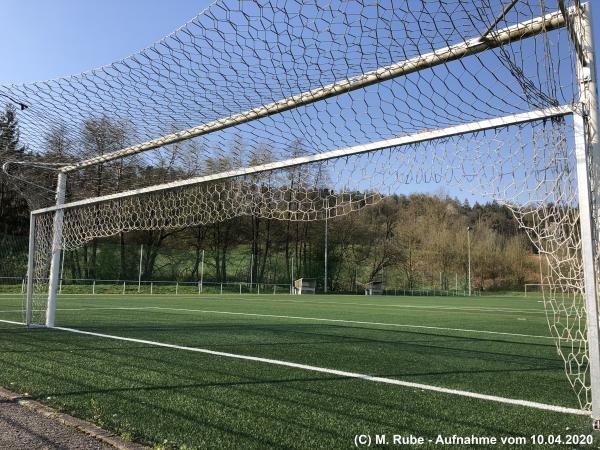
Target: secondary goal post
[[505, 106]]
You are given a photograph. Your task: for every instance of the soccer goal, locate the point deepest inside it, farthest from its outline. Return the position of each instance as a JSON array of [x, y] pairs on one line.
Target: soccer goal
[[315, 111], [305, 286]]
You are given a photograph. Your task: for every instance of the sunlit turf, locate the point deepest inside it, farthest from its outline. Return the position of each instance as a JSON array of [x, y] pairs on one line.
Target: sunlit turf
[[491, 345]]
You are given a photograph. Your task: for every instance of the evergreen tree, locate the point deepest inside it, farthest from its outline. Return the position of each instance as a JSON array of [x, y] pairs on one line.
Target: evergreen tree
[[9, 134], [13, 207]]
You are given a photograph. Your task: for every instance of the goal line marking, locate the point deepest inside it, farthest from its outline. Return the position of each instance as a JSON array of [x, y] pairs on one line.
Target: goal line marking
[[341, 373]]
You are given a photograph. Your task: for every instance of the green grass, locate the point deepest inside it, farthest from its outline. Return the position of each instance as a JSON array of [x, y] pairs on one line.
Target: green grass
[[155, 395]]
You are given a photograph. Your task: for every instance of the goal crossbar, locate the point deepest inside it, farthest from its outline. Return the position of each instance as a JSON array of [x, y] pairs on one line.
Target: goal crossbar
[[437, 57], [421, 136]]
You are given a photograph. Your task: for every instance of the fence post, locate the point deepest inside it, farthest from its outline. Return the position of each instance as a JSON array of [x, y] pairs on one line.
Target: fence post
[[221, 287], [123, 287], [177, 288], [151, 288], [94, 287], [240, 288]]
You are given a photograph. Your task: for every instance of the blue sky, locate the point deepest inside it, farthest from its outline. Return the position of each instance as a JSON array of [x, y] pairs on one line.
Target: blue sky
[[43, 39]]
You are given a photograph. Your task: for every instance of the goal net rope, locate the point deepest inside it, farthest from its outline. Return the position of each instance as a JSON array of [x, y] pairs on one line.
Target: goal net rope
[[231, 115]]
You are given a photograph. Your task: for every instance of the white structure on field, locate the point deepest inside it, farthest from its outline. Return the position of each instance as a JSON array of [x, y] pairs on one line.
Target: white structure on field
[[374, 288], [305, 286]]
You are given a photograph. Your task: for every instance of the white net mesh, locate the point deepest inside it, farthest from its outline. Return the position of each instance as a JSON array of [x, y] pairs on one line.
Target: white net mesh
[[238, 56]]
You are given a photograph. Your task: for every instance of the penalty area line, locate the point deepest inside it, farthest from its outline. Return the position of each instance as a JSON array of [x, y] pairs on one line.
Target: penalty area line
[[341, 373]]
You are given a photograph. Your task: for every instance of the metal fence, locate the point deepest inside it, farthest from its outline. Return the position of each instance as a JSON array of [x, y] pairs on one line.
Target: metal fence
[[17, 285]]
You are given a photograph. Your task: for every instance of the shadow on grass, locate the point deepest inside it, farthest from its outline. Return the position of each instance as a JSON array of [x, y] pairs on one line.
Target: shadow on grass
[[322, 334], [137, 396]]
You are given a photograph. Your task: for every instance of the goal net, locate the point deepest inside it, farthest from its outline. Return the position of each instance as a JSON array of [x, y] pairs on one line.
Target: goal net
[[301, 110]]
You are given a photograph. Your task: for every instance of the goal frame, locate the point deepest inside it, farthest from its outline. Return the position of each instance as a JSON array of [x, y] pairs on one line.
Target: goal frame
[[585, 124]]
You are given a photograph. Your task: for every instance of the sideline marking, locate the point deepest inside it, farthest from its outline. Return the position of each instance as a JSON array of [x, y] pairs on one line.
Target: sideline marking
[[398, 325], [264, 298], [341, 373], [344, 321]]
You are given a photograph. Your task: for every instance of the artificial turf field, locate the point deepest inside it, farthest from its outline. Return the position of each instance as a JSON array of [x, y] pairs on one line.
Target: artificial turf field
[[181, 398]]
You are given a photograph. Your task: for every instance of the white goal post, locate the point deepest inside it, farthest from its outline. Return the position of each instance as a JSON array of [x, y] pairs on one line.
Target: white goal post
[[563, 227]]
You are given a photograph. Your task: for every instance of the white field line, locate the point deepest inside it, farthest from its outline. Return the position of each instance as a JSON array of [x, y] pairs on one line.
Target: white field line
[[318, 319], [359, 322], [341, 373], [383, 305], [380, 305], [457, 308], [12, 322], [317, 302]]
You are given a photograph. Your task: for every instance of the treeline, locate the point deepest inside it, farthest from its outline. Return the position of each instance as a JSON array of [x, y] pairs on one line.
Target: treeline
[[411, 242], [415, 241]]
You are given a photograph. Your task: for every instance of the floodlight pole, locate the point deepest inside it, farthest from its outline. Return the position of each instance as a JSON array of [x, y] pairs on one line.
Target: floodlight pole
[[62, 272], [56, 249], [251, 269], [140, 269], [30, 271], [587, 153], [293, 275], [469, 229], [202, 273], [326, 243]]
